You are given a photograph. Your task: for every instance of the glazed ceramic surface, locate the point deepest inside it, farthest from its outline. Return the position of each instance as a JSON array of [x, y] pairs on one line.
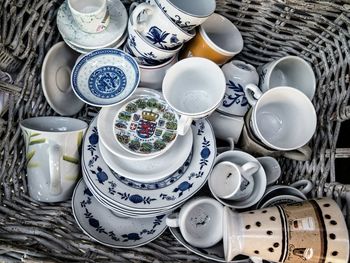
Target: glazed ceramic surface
[[157, 27], [271, 167], [146, 126], [71, 31], [237, 75], [186, 14], [55, 80], [109, 229], [136, 196], [155, 169], [52, 153], [290, 71], [105, 77], [144, 51], [91, 16]]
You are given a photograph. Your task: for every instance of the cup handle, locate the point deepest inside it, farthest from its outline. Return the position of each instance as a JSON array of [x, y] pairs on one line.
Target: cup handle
[[137, 10], [231, 142], [183, 125], [54, 164], [132, 7], [300, 154], [249, 168], [306, 185], [172, 220], [252, 93]]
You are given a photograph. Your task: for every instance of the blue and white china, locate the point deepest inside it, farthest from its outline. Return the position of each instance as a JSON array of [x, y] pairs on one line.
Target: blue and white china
[[52, 147], [159, 30], [151, 170], [138, 197], [71, 31], [144, 51], [186, 14], [145, 126], [109, 229], [240, 158], [105, 77], [55, 80], [237, 74]]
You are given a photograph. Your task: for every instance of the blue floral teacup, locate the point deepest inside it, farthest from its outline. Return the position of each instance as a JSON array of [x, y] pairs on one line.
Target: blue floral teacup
[[237, 74]]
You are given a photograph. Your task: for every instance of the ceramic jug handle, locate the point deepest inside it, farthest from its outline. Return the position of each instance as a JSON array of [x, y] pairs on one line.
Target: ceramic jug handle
[[249, 168], [172, 220], [300, 154], [306, 185], [252, 93], [136, 23], [54, 164], [183, 125]]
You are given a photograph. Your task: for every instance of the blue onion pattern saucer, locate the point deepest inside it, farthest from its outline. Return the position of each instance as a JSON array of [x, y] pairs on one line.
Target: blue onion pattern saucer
[[132, 198], [109, 229], [105, 77]]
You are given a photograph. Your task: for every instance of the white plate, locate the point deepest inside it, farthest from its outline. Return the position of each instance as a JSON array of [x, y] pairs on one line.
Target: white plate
[[106, 228], [55, 80], [154, 169], [174, 192], [114, 31]]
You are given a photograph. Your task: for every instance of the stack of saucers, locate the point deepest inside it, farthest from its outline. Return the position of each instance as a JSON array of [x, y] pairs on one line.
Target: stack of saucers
[[80, 38], [137, 169]]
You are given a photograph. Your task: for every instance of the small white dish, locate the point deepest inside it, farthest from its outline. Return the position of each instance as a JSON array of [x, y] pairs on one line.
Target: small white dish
[[105, 77], [114, 31], [108, 229], [55, 80], [151, 170]]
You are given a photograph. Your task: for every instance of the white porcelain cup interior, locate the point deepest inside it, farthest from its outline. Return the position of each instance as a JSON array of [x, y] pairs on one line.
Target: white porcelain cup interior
[[271, 167], [232, 181], [200, 221], [191, 91], [205, 8], [87, 6], [221, 35], [291, 71], [283, 117]]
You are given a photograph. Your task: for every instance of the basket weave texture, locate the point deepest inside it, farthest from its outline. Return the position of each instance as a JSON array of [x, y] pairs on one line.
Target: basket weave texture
[[317, 31]]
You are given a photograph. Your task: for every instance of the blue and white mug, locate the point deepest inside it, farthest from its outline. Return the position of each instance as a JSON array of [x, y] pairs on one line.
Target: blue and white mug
[[237, 74]]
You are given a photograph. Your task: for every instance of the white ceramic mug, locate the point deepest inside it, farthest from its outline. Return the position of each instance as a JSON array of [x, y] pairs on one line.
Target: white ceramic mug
[[53, 159], [187, 14], [271, 167], [91, 16], [159, 30], [231, 181], [200, 221], [237, 75], [283, 118], [194, 88], [291, 71]]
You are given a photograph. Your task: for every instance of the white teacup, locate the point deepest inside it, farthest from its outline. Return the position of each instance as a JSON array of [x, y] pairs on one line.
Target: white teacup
[[53, 160], [187, 14], [154, 24], [271, 167], [191, 91], [283, 118], [200, 221], [237, 74], [289, 71], [91, 16], [231, 181]]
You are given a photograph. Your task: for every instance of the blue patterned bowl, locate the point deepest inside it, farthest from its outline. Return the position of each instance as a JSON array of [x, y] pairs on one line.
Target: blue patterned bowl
[[105, 77]]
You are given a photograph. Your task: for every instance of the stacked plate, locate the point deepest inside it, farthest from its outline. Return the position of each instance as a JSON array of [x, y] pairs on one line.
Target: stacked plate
[[124, 182], [112, 37]]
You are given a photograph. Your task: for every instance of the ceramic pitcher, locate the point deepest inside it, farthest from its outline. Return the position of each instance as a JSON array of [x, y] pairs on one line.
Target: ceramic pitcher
[[311, 231]]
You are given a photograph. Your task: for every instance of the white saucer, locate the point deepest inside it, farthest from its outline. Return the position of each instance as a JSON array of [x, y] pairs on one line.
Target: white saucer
[[114, 31], [153, 169], [55, 80], [106, 228]]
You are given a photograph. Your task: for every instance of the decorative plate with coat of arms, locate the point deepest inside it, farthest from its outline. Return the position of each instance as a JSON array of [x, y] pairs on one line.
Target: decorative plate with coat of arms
[[146, 126]]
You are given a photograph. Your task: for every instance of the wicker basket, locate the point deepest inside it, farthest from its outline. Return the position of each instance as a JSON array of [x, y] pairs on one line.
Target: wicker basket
[[318, 31]]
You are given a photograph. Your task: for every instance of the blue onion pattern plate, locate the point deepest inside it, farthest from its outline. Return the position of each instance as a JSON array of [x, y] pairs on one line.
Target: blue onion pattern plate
[[105, 77], [134, 198], [106, 228], [115, 30]]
